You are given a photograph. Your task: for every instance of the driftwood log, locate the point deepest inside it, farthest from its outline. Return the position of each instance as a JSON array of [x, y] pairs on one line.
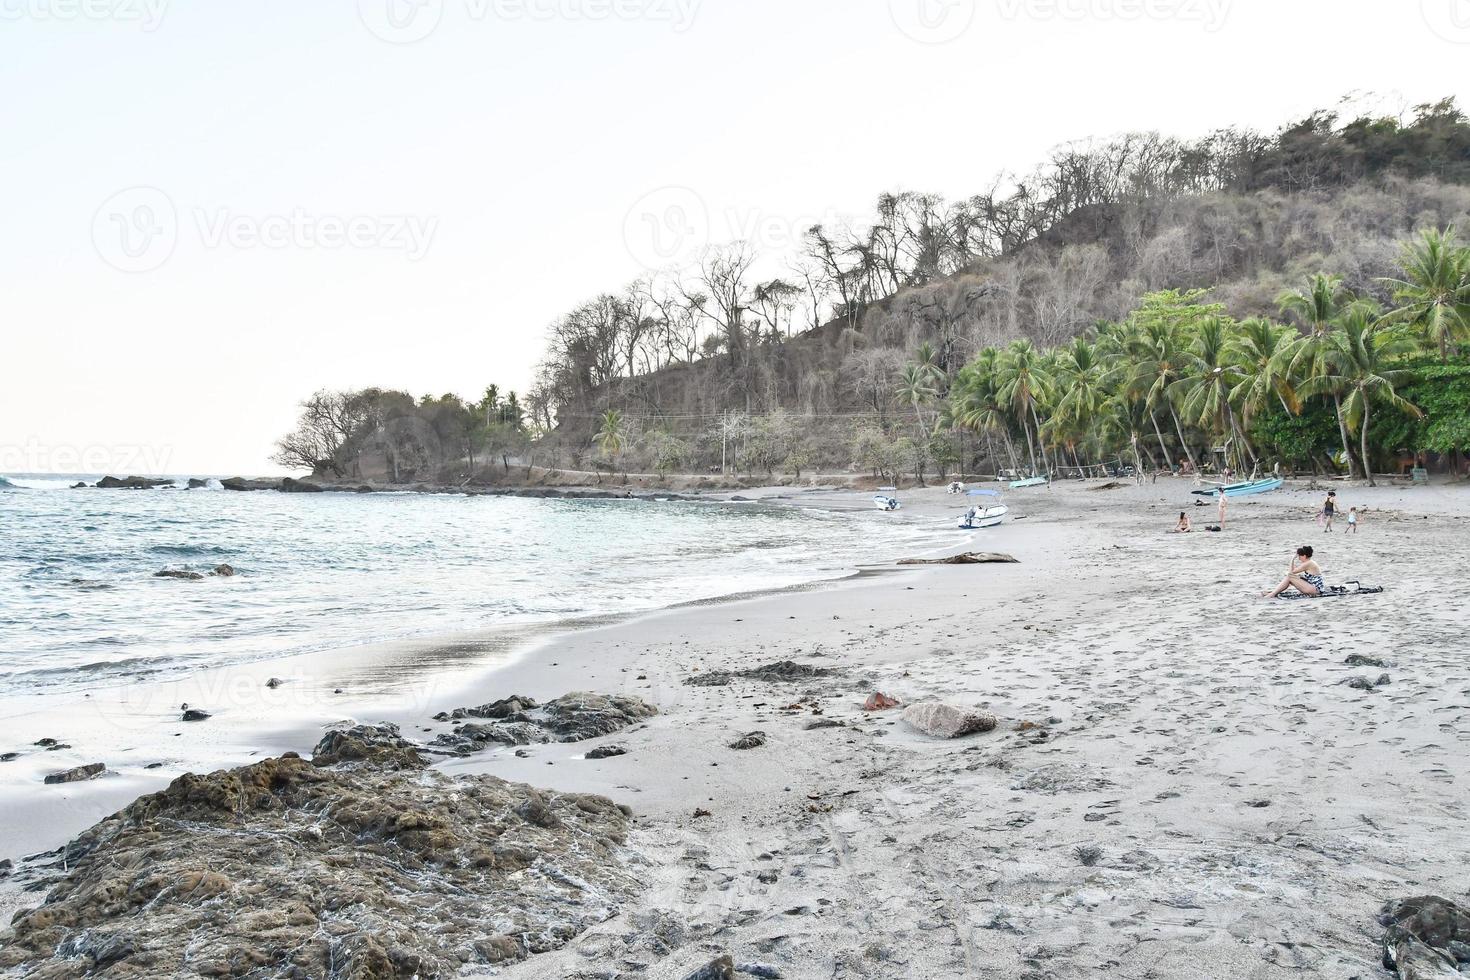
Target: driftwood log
[[969, 558]]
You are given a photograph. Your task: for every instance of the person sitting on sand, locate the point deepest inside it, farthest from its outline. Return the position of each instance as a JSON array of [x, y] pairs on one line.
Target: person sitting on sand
[[1305, 576], [1183, 527]]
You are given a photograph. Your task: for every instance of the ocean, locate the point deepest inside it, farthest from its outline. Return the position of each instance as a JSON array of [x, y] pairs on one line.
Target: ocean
[[81, 605]]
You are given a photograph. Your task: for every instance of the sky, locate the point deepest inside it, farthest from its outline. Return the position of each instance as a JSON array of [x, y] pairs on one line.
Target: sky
[[212, 210]]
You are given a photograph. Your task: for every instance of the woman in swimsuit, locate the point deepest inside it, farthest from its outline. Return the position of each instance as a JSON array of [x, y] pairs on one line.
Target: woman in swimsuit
[[1305, 576], [1183, 527], [1329, 510]]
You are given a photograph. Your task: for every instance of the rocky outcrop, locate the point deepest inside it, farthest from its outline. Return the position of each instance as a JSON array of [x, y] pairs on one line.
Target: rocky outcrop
[[179, 573], [242, 485], [574, 718], [131, 483], [1425, 938], [946, 720], [288, 485], [360, 864]]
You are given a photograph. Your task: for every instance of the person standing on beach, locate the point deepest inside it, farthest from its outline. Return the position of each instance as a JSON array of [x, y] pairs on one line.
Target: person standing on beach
[[1352, 520], [1329, 511], [1221, 495]]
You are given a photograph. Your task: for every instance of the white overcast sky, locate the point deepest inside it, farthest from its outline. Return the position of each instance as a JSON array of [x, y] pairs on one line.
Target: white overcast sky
[[488, 168]]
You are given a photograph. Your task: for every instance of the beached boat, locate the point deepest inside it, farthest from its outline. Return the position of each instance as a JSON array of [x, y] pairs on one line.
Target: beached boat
[[988, 511], [884, 499], [1036, 481], [1244, 489]]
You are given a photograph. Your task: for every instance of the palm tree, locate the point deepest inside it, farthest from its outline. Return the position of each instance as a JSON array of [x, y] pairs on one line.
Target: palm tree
[[1023, 382], [915, 387], [611, 436], [1362, 356], [1435, 292], [1263, 351], [1317, 308], [1084, 380], [977, 405], [1211, 377], [1159, 358], [927, 359]]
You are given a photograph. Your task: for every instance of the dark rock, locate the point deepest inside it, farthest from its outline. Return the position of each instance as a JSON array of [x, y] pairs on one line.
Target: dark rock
[[822, 723], [196, 714], [1361, 684], [101, 949], [607, 752], [1425, 937], [179, 574], [79, 486], [573, 718], [131, 483], [785, 671], [274, 683], [1358, 660], [720, 969], [9, 756], [753, 740], [77, 775], [196, 484], [290, 485], [224, 571], [378, 746]]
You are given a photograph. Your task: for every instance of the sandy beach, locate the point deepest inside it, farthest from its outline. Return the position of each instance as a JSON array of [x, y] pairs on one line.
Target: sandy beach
[[1181, 784]]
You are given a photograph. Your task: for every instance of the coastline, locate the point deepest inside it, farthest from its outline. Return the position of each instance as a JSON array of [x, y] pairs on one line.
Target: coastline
[[1250, 810], [135, 728]]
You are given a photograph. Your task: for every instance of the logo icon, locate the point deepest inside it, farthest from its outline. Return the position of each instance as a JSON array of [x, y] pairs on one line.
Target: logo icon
[[1450, 19], [933, 21], [401, 21], [136, 230], [666, 225]]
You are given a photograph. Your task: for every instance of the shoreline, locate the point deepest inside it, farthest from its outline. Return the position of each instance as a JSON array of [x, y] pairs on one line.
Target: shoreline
[[1249, 810], [323, 688]]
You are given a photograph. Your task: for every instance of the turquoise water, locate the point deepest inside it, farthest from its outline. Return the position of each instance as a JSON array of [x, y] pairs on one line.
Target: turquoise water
[[80, 605]]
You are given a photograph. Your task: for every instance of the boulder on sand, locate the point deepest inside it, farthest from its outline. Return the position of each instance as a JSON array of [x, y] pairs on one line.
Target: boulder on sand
[[947, 720], [78, 775], [1425, 937]]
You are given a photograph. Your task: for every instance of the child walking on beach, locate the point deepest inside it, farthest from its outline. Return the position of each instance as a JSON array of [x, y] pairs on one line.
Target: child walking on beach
[[1352, 520]]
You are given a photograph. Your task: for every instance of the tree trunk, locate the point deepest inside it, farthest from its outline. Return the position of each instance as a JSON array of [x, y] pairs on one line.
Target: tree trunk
[[1030, 446], [1347, 447], [1183, 443], [1162, 448], [1367, 459]]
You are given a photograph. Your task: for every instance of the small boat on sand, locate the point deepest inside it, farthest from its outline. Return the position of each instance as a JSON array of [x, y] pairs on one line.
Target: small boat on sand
[[987, 511], [884, 499], [1035, 481], [1243, 489]]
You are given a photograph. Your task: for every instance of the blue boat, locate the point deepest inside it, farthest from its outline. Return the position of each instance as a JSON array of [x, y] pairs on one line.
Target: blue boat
[[1244, 489], [1038, 481]]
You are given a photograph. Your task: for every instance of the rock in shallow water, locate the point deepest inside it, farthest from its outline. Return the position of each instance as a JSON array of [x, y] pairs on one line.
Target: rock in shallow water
[[292, 868], [947, 720]]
